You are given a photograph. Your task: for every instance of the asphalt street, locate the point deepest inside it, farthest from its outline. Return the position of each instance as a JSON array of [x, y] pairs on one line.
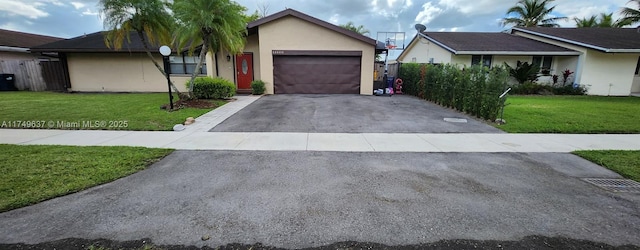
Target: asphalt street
[[311, 199]]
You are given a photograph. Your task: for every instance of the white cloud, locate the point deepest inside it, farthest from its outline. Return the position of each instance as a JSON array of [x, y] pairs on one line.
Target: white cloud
[[89, 12], [78, 5], [54, 2], [428, 13], [334, 19], [18, 8]]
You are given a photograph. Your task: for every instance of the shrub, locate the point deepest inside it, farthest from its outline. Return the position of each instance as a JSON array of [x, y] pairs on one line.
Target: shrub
[[475, 90], [523, 72], [213, 88], [570, 90], [410, 75], [530, 88], [257, 87]]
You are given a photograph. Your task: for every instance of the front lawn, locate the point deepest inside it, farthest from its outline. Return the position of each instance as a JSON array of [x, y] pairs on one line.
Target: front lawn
[[109, 111], [34, 173], [625, 163], [572, 114]]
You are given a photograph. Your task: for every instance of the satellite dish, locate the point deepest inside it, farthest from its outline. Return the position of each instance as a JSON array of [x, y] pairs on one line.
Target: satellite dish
[[420, 28]]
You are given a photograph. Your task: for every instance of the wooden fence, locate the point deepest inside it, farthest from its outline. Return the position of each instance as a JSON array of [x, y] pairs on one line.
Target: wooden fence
[[35, 75]]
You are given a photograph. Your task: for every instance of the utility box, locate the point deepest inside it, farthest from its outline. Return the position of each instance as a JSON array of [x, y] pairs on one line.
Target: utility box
[[7, 82]]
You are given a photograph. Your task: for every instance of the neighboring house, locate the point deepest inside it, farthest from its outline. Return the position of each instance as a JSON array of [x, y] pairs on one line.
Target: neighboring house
[[30, 71], [15, 45], [609, 58], [604, 60], [291, 51]]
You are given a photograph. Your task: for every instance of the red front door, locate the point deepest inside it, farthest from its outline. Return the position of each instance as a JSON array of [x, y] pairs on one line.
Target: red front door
[[244, 70]]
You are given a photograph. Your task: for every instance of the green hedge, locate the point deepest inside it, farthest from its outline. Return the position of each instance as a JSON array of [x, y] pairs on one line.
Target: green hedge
[[213, 88], [474, 90], [257, 87]]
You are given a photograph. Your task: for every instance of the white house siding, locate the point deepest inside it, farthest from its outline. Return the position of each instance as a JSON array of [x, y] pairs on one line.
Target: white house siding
[[608, 73], [422, 50], [602, 73]]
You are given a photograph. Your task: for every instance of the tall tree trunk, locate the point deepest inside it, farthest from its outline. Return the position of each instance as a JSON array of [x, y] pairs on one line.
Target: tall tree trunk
[[160, 68], [202, 57]]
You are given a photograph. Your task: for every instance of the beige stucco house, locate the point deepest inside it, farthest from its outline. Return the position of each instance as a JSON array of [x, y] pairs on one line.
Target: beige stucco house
[[290, 51], [604, 60]]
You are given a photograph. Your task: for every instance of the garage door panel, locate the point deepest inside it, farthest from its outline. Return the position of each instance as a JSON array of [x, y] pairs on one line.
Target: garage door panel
[[316, 75]]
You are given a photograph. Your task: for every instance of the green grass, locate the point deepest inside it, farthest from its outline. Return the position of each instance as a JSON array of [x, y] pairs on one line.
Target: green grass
[[104, 111], [625, 163], [35, 173], [572, 114]]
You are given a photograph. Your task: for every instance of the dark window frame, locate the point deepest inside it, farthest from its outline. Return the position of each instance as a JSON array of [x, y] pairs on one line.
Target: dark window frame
[[184, 70], [544, 63], [484, 60]]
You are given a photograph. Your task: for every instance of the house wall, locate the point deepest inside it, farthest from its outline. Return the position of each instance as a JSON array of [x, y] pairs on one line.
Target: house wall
[[609, 74], [423, 50], [635, 87], [118, 72], [227, 70], [602, 73], [461, 60], [291, 33]]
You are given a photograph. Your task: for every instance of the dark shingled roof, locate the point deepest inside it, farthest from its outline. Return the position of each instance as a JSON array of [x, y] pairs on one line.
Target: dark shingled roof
[[496, 43], [292, 12], [17, 39], [93, 42], [603, 39]]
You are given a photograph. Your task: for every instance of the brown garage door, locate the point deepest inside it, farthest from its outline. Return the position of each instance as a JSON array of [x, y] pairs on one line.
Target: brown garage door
[[315, 74]]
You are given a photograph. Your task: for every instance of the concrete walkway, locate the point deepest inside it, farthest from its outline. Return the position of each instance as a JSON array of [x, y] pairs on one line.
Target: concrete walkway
[[197, 137]]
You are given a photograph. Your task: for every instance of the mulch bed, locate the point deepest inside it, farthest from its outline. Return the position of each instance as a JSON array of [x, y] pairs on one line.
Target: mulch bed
[[195, 103]]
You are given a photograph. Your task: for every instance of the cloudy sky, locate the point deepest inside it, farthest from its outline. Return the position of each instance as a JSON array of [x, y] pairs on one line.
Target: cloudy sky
[[64, 18]]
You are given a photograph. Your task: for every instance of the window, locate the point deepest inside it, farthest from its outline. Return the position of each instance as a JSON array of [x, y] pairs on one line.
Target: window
[[544, 62], [185, 65], [485, 60], [638, 67]]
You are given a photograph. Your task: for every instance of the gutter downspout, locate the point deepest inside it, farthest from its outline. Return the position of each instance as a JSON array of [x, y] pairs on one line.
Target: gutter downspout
[[14, 49]]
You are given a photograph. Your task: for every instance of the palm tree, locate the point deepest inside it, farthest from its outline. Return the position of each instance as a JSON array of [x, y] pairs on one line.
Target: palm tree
[[631, 15], [532, 13], [149, 19], [212, 24], [586, 23], [352, 27], [604, 20]]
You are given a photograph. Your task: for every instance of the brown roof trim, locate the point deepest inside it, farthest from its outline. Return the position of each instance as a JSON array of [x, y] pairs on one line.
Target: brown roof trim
[[316, 53], [295, 13]]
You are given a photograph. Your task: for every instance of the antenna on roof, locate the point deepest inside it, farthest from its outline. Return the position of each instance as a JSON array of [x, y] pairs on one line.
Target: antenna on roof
[[420, 28]]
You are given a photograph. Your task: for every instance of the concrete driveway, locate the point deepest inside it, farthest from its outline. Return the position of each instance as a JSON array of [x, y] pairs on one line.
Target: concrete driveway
[[348, 114], [305, 199]]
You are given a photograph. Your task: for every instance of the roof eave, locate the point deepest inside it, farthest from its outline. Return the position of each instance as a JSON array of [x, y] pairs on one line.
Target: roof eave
[[14, 49], [87, 50], [438, 43], [562, 39], [300, 15], [520, 53], [623, 51]]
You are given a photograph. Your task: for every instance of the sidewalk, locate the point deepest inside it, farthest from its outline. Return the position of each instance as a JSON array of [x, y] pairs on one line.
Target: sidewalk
[[197, 137]]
